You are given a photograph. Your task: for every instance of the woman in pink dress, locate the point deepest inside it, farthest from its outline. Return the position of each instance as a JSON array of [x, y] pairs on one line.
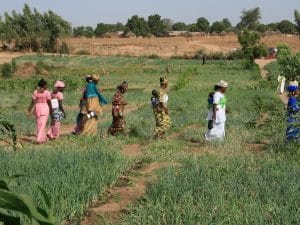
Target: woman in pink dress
[[58, 112], [41, 102]]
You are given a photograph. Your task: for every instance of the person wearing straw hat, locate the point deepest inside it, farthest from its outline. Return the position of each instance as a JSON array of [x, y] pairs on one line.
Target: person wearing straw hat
[[162, 118], [58, 112], [217, 114], [118, 107], [92, 108]]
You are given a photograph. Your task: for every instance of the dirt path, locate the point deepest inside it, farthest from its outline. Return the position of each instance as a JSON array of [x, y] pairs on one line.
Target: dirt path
[[130, 187], [262, 63]]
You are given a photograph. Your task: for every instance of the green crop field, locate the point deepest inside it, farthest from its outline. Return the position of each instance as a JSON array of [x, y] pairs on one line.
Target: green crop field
[[251, 178]]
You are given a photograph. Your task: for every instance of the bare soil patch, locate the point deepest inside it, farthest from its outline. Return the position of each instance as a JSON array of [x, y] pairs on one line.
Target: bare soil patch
[[169, 46]]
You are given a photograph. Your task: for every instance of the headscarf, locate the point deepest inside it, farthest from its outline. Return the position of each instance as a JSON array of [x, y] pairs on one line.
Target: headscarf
[[123, 86], [163, 80], [222, 84], [59, 84], [95, 77]]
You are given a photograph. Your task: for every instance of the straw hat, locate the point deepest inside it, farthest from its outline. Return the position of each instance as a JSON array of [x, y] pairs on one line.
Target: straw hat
[[222, 84]]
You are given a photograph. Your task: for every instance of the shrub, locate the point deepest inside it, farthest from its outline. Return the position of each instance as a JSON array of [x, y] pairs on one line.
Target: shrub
[[289, 63], [153, 56], [235, 55], [11, 201], [7, 70], [83, 52], [216, 56], [64, 49], [260, 50], [199, 54], [8, 130]]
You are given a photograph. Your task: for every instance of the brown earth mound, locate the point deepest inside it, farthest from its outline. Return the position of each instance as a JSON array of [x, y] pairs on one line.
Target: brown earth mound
[[28, 69]]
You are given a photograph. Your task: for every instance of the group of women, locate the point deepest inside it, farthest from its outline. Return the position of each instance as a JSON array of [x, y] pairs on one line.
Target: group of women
[[46, 103]]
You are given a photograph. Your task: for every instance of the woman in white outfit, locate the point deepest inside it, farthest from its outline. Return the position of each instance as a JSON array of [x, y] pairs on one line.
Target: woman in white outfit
[[281, 83], [217, 114]]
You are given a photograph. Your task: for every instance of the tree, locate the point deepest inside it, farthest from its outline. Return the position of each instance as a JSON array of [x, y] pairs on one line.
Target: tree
[[100, 29], [250, 19], [120, 27], [249, 40], [138, 25], [262, 28], [78, 31], [227, 24], [192, 27], [57, 27], [9, 31], [217, 27], [168, 23], [288, 62], [202, 25], [272, 26], [286, 27], [2, 37], [29, 26], [179, 26], [157, 26], [297, 20], [89, 32]]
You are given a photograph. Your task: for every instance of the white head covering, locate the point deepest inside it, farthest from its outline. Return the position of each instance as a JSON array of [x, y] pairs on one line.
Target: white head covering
[[222, 83]]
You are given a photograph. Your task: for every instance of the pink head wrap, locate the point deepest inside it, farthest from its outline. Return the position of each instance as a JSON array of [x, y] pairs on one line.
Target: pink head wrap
[[59, 84]]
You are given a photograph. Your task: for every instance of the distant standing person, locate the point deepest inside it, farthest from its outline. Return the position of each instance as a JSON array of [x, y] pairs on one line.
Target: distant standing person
[[293, 84], [118, 108], [58, 112], [204, 58], [41, 102], [161, 111], [281, 83], [217, 114], [293, 116]]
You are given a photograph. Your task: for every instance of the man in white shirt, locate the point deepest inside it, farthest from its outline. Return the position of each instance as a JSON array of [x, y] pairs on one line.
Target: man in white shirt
[[217, 114]]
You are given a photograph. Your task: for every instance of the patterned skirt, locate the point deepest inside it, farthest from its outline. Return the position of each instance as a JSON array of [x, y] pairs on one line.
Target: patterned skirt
[[163, 123], [118, 125], [293, 128]]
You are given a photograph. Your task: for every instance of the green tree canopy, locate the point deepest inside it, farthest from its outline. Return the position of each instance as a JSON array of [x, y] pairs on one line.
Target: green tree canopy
[[157, 26], [33, 30], [250, 19], [138, 25], [249, 40], [227, 24], [179, 26], [217, 27], [202, 25], [168, 23], [286, 27], [297, 20], [82, 31]]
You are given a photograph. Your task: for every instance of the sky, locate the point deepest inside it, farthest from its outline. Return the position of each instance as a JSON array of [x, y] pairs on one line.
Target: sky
[[91, 12]]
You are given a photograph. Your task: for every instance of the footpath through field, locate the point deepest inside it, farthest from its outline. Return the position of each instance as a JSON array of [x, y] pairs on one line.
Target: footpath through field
[[262, 63], [132, 185]]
